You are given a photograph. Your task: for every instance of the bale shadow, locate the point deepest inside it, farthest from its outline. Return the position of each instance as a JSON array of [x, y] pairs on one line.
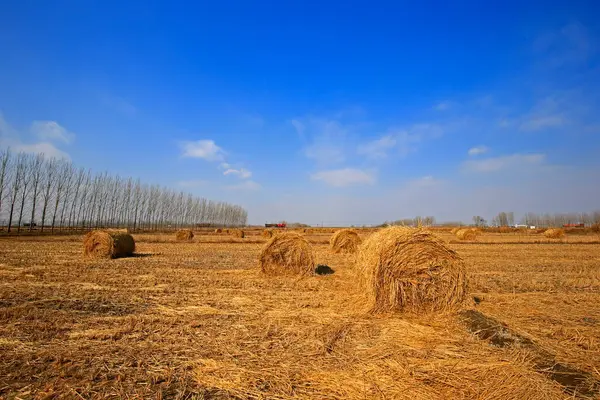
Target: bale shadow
[[322, 269], [574, 382]]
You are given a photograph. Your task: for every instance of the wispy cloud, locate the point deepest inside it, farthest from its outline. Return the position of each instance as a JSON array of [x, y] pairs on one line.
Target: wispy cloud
[[344, 177], [120, 105], [204, 149], [496, 164], [478, 150], [377, 148], [242, 173], [570, 45], [442, 106], [326, 139], [46, 132], [52, 131]]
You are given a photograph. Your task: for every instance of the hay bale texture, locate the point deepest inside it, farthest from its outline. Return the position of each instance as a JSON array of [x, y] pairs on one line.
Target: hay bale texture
[[184, 235], [238, 233], [455, 229], [287, 253], [467, 234], [554, 233], [218, 230], [345, 241], [403, 269], [108, 244], [268, 233]]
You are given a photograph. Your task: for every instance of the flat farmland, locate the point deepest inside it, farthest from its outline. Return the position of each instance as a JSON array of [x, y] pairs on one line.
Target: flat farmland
[[199, 320]]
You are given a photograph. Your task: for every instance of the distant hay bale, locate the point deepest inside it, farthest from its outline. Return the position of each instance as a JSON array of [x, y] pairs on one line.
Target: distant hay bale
[[238, 233], [467, 234], [184, 235], [345, 241], [218, 230], [404, 269], [306, 231], [595, 228], [287, 253], [454, 230], [108, 244], [554, 233], [504, 229], [268, 233]]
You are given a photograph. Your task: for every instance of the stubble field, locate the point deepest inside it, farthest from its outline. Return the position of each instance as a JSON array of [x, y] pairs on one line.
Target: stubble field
[[198, 320]]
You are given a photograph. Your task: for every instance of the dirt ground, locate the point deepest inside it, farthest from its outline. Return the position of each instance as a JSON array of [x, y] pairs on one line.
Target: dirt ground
[[199, 321]]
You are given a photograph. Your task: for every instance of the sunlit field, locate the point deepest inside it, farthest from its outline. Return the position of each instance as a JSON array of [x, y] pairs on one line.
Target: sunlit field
[[198, 320]]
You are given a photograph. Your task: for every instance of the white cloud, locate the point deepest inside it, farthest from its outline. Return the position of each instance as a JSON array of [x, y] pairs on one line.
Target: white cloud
[[504, 162], [244, 186], [205, 149], [377, 148], [48, 149], [242, 173], [478, 150], [344, 177]]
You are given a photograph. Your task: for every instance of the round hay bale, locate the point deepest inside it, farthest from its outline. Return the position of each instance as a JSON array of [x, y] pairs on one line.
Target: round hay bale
[[107, 244], [238, 233], [184, 235], [287, 253], [345, 241], [554, 233], [404, 269], [455, 229], [595, 228], [268, 233], [466, 234], [504, 229], [218, 230]]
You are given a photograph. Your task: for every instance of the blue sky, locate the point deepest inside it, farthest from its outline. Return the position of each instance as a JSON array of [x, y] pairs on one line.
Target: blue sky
[[320, 112]]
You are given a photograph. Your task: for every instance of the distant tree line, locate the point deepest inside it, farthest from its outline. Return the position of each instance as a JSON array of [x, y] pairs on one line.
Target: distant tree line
[[417, 221], [53, 195]]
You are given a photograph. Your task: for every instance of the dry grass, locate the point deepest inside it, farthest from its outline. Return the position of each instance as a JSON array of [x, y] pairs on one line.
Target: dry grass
[[554, 233], [184, 235], [345, 241], [108, 244], [287, 253], [193, 321], [404, 269]]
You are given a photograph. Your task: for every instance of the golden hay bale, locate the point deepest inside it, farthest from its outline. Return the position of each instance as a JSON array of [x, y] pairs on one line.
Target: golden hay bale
[[238, 233], [467, 234], [410, 269], [504, 229], [345, 241], [454, 230], [218, 230], [306, 231], [268, 233], [107, 244], [554, 233], [595, 228], [184, 235], [287, 253]]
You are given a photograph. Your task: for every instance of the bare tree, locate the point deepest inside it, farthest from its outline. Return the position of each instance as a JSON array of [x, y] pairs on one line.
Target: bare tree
[[4, 169], [19, 171], [36, 174], [48, 186]]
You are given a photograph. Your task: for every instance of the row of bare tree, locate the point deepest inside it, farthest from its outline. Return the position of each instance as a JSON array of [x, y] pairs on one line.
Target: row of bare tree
[[36, 191]]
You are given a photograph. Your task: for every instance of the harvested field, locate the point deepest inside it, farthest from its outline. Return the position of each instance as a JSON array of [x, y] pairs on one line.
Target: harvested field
[[199, 320]]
